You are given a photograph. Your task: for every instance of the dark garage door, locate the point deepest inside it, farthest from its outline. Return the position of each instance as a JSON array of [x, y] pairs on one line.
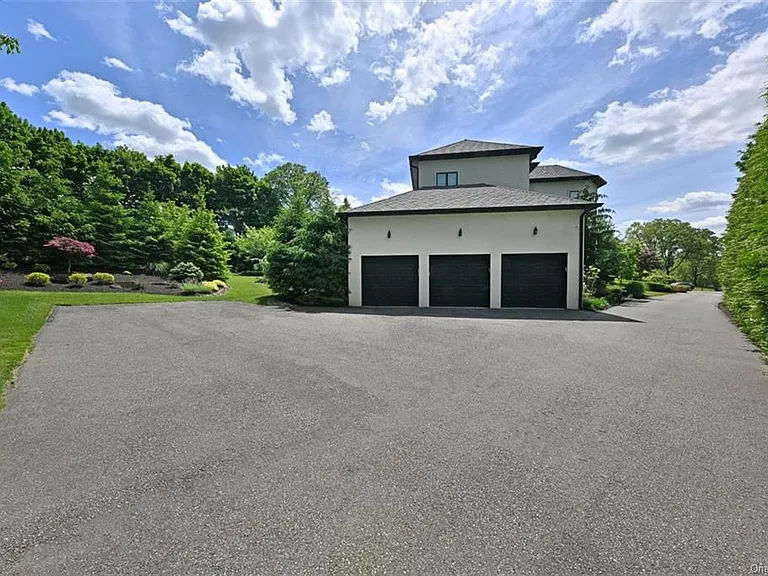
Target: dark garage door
[[461, 280], [390, 280], [533, 280]]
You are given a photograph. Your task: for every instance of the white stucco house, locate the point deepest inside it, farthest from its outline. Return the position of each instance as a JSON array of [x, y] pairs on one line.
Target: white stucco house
[[484, 226]]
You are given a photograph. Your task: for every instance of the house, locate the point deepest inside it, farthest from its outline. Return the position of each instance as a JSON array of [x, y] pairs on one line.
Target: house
[[484, 226]]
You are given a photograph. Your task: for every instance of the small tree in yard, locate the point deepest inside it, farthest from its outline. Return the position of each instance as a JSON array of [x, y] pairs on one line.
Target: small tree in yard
[[72, 248], [307, 264], [202, 243]]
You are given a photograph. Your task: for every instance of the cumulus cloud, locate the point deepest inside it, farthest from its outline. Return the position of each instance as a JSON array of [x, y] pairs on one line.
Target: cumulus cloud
[[337, 76], [678, 19], [94, 104], [693, 202], [321, 122], [338, 198], [19, 87], [365, 146], [116, 63], [38, 30], [720, 111], [264, 161], [443, 51], [714, 223], [390, 188], [253, 48]]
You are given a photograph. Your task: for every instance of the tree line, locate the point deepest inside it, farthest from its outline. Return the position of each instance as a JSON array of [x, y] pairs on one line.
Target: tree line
[[141, 214]]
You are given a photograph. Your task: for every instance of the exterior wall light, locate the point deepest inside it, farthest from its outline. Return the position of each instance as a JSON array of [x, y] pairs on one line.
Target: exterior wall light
[[460, 232], [389, 234], [535, 230]]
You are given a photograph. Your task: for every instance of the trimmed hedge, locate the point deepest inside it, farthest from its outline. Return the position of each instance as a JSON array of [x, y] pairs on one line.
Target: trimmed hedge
[[77, 278], [38, 279]]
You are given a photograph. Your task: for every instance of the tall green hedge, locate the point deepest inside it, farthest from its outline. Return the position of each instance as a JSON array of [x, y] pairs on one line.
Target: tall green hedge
[[744, 267]]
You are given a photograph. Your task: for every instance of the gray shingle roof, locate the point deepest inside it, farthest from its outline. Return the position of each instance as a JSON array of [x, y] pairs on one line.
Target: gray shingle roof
[[556, 172], [474, 146], [475, 197]]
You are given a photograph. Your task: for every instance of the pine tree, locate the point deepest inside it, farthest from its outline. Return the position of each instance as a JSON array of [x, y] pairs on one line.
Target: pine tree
[[202, 244]]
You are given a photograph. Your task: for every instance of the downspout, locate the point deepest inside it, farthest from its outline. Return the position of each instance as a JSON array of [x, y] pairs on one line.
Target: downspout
[[581, 259]]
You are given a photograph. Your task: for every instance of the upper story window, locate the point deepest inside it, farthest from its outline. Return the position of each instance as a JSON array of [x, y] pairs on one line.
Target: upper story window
[[447, 179]]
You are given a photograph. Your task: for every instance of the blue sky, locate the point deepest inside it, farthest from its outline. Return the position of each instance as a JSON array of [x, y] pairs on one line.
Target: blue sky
[[656, 97]]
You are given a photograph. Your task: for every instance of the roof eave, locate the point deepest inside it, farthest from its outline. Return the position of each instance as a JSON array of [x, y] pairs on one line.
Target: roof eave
[[598, 180], [531, 151], [485, 210]]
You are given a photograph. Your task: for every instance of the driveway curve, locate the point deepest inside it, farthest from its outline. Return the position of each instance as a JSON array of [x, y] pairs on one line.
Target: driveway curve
[[223, 438]]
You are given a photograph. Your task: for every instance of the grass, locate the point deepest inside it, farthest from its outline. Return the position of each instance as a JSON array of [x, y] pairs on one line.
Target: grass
[[654, 293], [23, 313]]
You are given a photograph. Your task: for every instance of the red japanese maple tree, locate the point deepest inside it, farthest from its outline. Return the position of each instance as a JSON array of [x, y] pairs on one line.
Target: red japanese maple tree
[[71, 248]]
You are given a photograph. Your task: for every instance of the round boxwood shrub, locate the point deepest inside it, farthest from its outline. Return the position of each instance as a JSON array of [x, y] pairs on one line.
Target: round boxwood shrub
[[38, 267], [103, 278], [10, 265], [219, 284], [77, 278], [636, 289], [37, 279], [185, 271]]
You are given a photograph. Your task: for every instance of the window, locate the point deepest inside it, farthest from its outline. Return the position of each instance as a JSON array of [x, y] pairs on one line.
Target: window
[[574, 194], [447, 179]]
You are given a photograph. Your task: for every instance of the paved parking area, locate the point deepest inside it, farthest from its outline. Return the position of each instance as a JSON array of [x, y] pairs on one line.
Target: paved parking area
[[222, 438]]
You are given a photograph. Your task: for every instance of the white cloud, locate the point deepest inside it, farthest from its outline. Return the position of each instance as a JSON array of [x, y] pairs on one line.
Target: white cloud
[[116, 63], [253, 48], [321, 122], [496, 82], [337, 76], [626, 55], [717, 51], [382, 71], [439, 52], [668, 19], [19, 87], [264, 161], [391, 188], [659, 94], [575, 164], [720, 111], [338, 198], [296, 145], [693, 202], [365, 146], [714, 223], [94, 104], [38, 30], [542, 6]]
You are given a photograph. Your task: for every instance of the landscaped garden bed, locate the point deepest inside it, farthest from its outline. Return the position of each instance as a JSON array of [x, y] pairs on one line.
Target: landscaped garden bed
[[15, 280]]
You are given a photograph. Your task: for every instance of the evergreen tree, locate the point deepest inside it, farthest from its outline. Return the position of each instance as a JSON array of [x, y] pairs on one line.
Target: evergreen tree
[[202, 244]]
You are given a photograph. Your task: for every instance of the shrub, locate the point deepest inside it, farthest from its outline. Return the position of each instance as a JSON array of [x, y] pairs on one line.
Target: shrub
[[220, 284], [41, 268], [210, 286], [594, 303], [185, 270], [636, 289], [660, 278], [157, 268], [37, 279], [77, 278], [104, 278], [613, 294], [10, 265], [192, 288], [656, 287]]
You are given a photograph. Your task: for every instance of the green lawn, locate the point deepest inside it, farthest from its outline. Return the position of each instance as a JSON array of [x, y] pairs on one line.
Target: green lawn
[[654, 293], [23, 313]]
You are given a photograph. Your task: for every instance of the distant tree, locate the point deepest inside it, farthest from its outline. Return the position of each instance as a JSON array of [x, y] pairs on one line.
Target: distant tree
[[71, 248], [646, 259], [254, 245], [602, 248], [666, 237]]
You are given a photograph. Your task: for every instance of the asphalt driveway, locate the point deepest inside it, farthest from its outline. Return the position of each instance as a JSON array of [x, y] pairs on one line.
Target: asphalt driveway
[[222, 438]]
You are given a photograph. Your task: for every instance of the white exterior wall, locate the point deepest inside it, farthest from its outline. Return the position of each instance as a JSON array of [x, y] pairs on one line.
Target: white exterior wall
[[493, 233], [500, 170], [562, 187]]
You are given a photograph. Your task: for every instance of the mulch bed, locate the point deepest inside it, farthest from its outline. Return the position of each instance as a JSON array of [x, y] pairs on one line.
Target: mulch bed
[[123, 283]]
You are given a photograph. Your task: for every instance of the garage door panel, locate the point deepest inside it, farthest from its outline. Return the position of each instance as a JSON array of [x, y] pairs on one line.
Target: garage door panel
[[390, 280], [460, 280], [533, 280]]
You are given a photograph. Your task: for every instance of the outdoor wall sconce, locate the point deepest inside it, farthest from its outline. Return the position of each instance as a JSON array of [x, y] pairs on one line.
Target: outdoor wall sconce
[[460, 233], [389, 234], [535, 230]]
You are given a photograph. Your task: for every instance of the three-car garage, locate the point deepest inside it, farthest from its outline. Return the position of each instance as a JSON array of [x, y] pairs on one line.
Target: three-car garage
[[464, 280]]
